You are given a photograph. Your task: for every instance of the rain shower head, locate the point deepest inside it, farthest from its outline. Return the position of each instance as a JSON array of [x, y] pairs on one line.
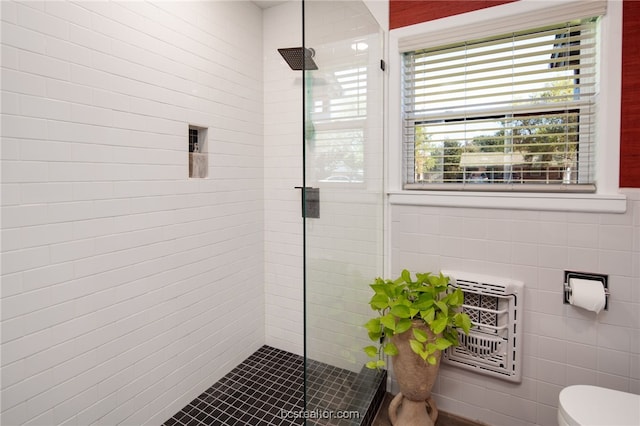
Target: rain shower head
[[299, 58]]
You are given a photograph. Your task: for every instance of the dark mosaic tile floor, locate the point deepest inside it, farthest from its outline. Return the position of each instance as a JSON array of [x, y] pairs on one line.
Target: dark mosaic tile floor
[[268, 389]]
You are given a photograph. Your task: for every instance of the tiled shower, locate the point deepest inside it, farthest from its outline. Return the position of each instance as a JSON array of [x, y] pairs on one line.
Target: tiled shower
[[129, 290], [131, 282]]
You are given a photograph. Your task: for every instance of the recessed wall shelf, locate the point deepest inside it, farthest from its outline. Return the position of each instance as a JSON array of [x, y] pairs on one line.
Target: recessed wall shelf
[[198, 156]]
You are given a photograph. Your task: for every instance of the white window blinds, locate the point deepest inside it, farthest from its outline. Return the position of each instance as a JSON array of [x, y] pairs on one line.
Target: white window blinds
[[510, 112]]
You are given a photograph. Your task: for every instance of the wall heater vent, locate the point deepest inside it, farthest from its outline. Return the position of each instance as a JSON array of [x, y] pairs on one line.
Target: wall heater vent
[[494, 344]]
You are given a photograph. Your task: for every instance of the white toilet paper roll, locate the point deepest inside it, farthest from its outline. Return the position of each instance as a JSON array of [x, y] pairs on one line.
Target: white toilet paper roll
[[587, 294]]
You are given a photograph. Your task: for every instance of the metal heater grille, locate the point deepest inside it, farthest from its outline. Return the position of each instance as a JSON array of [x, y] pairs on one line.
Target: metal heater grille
[[493, 346]]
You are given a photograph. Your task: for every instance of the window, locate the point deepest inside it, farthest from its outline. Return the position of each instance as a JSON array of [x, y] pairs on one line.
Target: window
[[339, 113], [339, 155], [515, 111]]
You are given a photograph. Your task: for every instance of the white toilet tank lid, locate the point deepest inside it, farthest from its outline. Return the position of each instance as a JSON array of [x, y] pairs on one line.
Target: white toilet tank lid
[[584, 405]]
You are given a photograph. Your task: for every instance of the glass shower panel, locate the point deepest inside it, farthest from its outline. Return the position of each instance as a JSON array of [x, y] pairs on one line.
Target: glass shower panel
[[344, 244]]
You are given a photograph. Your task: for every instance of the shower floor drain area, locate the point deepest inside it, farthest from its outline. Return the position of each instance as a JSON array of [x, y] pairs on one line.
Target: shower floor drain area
[[268, 389]]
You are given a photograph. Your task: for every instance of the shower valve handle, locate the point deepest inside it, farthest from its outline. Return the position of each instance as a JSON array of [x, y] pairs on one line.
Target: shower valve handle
[[310, 202]]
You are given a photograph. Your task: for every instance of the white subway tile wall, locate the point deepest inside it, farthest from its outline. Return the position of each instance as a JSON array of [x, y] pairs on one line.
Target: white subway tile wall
[[127, 288], [563, 345]]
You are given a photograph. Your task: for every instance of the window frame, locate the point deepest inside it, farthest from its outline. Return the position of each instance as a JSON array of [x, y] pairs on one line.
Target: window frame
[[520, 15]]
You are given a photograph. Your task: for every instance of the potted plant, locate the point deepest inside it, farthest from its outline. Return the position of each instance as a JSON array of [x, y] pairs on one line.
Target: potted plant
[[416, 321]]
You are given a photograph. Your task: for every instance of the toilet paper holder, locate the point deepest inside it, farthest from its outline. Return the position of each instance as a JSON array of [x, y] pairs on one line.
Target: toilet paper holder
[[603, 278]]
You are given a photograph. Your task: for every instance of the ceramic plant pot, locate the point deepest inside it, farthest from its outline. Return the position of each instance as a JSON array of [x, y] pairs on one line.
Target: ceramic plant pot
[[413, 406]]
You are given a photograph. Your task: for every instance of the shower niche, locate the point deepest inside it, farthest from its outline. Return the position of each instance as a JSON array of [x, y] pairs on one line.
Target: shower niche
[[198, 158]]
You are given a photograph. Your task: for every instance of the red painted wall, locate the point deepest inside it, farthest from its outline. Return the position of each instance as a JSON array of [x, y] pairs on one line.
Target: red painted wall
[[403, 13], [630, 125]]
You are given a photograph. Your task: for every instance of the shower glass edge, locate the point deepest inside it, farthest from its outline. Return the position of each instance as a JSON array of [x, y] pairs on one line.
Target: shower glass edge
[[342, 247]]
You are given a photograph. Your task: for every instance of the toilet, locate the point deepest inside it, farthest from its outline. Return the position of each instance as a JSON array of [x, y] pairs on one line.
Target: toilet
[[583, 405]]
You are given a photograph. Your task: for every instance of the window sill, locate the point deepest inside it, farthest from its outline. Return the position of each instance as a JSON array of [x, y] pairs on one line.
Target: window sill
[[589, 203]]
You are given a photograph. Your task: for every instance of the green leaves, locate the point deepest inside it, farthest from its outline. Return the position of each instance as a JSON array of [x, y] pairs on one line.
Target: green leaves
[[399, 302], [425, 348], [442, 306], [375, 364], [428, 316], [379, 302], [462, 321], [424, 301], [373, 325], [417, 347], [371, 351], [456, 298], [388, 321], [420, 335], [439, 324], [374, 329], [400, 311], [442, 344], [390, 349], [379, 288], [403, 325]]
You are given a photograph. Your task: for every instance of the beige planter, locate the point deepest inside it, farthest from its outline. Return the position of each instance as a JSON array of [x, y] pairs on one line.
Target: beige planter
[[413, 406]]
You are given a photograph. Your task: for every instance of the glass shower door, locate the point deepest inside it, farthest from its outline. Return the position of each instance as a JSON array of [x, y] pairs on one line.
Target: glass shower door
[[343, 180]]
